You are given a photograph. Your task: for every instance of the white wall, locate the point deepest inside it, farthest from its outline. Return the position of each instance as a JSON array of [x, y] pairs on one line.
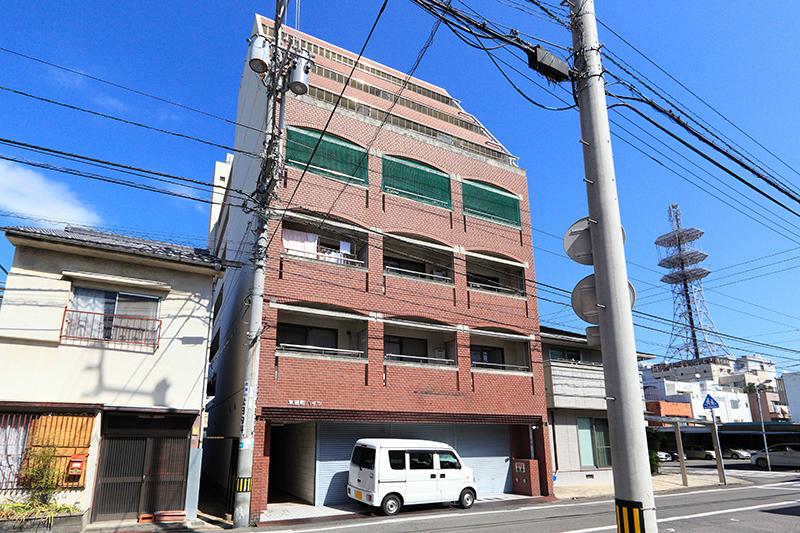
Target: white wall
[[791, 382], [36, 367], [564, 434]]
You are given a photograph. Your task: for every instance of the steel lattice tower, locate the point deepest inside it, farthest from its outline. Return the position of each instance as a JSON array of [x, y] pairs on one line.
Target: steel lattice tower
[[693, 332]]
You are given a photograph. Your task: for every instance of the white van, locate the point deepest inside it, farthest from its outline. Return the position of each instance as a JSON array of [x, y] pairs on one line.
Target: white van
[[390, 473]]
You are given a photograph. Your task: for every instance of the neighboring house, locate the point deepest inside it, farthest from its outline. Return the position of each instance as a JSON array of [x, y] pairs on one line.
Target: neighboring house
[[577, 410], [734, 405], [661, 408], [103, 349], [399, 291]]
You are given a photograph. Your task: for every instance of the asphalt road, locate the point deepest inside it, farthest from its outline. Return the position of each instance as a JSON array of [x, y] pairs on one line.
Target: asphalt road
[[771, 505]]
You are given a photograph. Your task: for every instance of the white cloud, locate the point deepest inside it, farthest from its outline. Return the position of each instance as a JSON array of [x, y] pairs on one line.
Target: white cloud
[[27, 192], [110, 103]]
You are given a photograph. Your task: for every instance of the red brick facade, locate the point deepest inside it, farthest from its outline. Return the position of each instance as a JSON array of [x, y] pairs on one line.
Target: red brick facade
[[369, 386]]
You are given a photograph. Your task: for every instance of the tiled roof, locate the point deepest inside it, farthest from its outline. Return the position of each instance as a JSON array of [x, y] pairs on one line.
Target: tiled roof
[[90, 238]]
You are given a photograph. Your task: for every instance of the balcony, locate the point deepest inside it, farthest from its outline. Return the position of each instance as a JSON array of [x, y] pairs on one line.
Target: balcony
[[405, 259], [117, 331], [496, 277], [323, 244], [489, 353], [313, 336], [423, 345]]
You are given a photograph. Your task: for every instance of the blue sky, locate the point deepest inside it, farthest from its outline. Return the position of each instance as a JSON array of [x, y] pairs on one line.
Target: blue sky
[[731, 53]]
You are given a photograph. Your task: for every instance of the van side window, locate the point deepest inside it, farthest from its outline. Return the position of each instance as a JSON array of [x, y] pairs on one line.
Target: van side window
[[397, 459], [420, 460], [448, 461], [364, 457]]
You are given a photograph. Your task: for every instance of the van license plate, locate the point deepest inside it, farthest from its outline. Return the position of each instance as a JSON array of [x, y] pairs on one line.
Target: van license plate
[[359, 495]]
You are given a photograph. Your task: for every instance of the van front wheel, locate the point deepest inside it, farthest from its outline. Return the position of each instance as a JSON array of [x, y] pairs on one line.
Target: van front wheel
[[466, 499], [391, 505]]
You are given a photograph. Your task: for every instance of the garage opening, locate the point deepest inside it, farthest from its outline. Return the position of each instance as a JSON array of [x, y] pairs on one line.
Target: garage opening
[[292, 464]]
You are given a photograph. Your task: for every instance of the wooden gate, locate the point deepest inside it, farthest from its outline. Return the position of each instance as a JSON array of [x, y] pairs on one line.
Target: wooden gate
[[141, 474]]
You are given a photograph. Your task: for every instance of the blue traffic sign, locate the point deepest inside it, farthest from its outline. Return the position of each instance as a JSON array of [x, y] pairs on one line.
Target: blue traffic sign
[[710, 403]]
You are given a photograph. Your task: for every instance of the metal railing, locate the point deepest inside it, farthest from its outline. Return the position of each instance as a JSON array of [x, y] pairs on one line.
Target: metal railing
[[415, 274], [495, 288], [501, 366], [418, 359], [329, 255], [31, 442], [117, 330], [320, 350]]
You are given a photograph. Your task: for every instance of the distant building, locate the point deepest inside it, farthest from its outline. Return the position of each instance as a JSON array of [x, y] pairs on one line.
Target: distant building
[[576, 406], [103, 351], [707, 368], [667, 409], [772, 408], [733, 403]]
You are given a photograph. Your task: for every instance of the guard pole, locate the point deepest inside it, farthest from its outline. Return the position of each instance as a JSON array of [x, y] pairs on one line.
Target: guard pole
[[633, 487], [681, 457], [718, 451]]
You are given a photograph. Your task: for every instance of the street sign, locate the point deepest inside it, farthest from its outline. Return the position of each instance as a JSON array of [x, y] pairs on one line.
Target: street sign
[[578, 241], [710, 403], [584, 299]]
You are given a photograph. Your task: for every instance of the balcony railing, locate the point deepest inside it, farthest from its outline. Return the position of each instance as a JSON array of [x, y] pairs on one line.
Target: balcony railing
[[418, 359], [330, 255], [320, 350], [415, 274], [501, 366], [495, 288], [122, 331]]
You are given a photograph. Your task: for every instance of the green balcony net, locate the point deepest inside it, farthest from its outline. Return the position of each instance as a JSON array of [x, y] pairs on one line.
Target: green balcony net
[[416, 181], [487, 201], [335, 158]]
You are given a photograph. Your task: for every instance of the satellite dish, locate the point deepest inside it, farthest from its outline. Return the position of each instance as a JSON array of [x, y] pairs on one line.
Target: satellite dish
[[584, 299], [578, 241]]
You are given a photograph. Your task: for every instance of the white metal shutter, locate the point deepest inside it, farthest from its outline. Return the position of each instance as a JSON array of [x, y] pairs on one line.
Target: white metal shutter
[[486, 449], [334, 446]]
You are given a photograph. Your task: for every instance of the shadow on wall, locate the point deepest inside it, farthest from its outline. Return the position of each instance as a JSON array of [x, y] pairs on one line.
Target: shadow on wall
[[337, 488]]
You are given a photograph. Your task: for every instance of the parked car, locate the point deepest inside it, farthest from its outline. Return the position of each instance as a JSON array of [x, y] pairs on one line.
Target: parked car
[[675, 456], [391, 473], [779, 455], [695, 451], [735, 453], [664, 457]]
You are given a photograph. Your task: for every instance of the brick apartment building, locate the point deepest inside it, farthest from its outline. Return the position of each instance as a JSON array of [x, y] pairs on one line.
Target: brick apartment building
[[398, 295]]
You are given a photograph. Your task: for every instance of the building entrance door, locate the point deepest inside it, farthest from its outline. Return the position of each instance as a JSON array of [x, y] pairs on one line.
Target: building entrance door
[[140, 473]]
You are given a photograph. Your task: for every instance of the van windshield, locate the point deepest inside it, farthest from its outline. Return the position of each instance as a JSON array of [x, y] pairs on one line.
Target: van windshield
[[364, 457]]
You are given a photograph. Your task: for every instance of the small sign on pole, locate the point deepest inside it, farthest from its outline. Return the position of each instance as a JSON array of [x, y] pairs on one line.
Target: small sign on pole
[[710, 403]]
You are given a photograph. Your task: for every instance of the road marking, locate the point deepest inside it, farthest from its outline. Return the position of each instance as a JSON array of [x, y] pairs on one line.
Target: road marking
[[433, 516], [696, 515]]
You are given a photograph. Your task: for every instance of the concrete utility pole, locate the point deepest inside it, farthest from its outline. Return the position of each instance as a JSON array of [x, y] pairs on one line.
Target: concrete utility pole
[[633, 489], [264, 186]]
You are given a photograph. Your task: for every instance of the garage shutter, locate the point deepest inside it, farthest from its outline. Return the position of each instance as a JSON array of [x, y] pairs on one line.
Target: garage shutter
[[484, 448]]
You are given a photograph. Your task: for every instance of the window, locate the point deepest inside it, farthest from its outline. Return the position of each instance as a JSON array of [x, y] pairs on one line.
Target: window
[[487, 354], [335, 158], [307, 336], [734, 404], [397, 459], [393, 344], [491, 202], [415, 180], [113, 316], [364, 457], [448, 461], [420, 460], [594, 445], [403, 264], [482, 279], [563, 354]]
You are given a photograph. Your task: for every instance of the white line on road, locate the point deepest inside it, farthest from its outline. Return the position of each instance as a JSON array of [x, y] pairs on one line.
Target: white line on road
[[697, 515], [417, 518]]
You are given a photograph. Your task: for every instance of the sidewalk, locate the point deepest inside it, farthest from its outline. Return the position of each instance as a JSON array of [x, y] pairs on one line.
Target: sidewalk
[[661, 483]]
